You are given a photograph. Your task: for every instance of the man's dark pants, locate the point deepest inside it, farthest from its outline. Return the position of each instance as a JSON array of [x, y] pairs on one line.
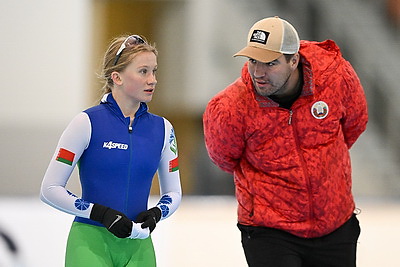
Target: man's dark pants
[[267, 247]]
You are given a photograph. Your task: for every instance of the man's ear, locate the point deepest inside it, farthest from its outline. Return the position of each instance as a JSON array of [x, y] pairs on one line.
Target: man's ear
[[295, 60], [116, 78]]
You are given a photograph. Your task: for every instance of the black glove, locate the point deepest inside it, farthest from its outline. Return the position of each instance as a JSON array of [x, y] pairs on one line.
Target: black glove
[[149, 218], [116, 222]]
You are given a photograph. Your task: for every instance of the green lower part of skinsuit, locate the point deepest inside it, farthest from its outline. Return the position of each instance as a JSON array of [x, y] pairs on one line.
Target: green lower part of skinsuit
[[90, 245]]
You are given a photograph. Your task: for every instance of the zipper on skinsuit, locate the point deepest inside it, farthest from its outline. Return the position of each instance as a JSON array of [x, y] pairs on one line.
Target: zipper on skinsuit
[[130, 129], [303, 164]]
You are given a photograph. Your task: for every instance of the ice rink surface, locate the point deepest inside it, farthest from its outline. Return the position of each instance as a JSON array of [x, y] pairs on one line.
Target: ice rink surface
[[201, 233]]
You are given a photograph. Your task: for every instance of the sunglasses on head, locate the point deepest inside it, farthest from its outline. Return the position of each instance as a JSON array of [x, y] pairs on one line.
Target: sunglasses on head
[[130, 41]]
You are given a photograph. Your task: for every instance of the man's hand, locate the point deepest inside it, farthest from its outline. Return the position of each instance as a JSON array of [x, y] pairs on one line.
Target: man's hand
[[116, 222], [149, 218]]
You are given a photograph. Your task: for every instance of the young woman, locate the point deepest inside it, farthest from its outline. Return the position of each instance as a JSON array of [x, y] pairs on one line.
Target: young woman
[[118, 146]]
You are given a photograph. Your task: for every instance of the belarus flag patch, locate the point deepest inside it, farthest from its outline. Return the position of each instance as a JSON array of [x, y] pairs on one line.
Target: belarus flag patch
[[173, 165], [65, 156]]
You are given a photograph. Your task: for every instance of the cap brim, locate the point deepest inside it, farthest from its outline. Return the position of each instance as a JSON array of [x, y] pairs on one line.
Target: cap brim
[[258, 54]]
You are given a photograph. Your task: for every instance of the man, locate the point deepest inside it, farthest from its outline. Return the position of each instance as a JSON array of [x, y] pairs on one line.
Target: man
[[284, 129]]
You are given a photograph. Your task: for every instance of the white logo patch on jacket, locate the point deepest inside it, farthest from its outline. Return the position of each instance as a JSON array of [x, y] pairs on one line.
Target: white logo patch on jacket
[[320, 110]]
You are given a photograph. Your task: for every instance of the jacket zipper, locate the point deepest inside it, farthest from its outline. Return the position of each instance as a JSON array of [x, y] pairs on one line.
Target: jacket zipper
[[311, 216], [130, 129]]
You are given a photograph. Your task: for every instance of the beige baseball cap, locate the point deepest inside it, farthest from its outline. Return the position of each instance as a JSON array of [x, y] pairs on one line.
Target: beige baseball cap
[[269, 38]]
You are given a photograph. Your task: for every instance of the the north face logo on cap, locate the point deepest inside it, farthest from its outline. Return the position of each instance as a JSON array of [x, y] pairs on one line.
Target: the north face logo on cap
[[259, 36]]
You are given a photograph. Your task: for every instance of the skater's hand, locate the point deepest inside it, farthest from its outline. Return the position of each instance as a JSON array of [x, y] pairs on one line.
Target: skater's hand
[[138, 232], [116, 222], [149, 218]]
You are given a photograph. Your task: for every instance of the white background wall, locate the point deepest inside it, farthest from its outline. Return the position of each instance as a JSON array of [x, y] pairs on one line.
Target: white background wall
[[44, 83], [44, 55]]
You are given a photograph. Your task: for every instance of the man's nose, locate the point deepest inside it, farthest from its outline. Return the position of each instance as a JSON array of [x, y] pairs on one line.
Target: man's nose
[[259, 69]]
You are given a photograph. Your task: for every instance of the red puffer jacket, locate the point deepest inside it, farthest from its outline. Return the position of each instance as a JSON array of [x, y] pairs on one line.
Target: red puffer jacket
[[291, 167]]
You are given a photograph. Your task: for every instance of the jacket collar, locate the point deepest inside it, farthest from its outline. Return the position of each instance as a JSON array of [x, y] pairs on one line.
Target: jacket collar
[[109, 100]]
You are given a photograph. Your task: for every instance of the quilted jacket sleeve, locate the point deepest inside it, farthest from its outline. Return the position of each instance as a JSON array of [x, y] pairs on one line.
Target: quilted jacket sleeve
[[223, 132], [356, 113]]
